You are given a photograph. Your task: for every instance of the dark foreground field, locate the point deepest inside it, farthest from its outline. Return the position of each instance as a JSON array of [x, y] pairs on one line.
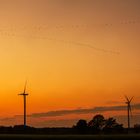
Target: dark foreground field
[[69, 137]]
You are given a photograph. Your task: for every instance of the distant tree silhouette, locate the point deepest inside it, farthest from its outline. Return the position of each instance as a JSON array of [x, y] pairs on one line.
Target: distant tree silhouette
[[110, 123], [100, 124], [97, 123], [112, 126], [81, 126], [137, 128]]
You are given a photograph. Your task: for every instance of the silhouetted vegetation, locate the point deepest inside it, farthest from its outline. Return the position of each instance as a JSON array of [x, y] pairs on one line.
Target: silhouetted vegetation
[[81, 126], [97, 125]]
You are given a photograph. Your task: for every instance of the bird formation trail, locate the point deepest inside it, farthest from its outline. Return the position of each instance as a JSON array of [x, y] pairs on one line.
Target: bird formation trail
[[4, 33], [12, 32], [74, 26]]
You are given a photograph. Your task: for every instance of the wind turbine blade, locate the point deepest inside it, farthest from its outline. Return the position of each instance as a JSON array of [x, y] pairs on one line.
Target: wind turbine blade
[[126, 98], [21, 94], [131, 99], [25, 86]]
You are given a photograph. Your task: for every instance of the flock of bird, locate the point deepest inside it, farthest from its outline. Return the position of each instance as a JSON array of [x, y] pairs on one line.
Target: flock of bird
[[22, 31]]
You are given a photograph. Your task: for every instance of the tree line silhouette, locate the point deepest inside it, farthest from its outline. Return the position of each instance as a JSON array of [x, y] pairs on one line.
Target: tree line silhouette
[[97, 125]]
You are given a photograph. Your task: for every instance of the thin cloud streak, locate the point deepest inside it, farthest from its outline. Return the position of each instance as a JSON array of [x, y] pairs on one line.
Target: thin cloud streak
[[81, 111], [69, 122], [58, 113]]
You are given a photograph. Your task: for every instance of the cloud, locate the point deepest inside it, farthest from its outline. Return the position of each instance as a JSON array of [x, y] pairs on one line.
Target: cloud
[[56, 123], [113, 102], [82, 111], [39, 119], [8, 119], [74, 111]]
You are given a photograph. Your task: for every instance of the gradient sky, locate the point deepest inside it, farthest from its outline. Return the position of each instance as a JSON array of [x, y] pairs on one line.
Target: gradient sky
[[74, 53]]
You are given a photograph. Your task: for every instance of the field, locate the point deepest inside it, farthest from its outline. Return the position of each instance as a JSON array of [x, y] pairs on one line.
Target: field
[[69, 137]]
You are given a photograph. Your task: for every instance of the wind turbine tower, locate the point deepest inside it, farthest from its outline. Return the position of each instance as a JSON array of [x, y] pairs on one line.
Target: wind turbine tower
[[24, 94], [128, 102]]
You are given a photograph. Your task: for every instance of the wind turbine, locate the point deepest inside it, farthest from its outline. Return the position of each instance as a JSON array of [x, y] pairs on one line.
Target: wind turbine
[[24, 94], [128, 102]]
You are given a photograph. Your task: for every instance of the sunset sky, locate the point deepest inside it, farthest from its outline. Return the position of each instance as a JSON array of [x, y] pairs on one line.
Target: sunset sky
[[77, 56]]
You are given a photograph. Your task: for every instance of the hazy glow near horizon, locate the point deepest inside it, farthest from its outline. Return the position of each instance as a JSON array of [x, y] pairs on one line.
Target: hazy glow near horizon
[[75, 54]]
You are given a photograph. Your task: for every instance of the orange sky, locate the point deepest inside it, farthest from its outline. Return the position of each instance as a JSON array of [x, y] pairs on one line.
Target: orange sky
[[75, 54]]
